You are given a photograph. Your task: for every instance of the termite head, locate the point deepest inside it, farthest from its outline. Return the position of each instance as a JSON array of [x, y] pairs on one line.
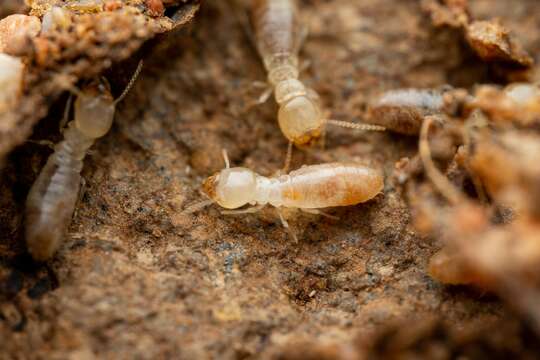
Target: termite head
[[95, 105], [94, 109], [300, 117], [231, 188]]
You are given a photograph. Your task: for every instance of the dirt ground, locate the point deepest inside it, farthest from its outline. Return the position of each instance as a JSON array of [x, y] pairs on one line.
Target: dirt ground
[[137, 278]]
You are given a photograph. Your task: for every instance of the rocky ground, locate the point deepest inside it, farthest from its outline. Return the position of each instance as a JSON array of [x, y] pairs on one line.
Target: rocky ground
[[138, 278]]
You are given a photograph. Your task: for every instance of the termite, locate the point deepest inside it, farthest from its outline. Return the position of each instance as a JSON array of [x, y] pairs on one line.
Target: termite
[[53, 196], [278, 36], [308, 189], [450, 267], [517, 103], [404, 110]]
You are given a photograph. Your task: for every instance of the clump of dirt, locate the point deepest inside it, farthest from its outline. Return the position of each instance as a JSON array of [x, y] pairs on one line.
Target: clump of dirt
[[138, 277], [93, 41]]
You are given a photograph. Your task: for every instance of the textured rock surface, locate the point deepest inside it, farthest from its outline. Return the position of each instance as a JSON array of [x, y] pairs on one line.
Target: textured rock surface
[[137, 278]]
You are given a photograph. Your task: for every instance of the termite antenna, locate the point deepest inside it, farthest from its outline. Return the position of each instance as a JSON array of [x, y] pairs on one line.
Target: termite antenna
[[350, 125], [437, 178], [226, 158], [130, 83], [197, 206]]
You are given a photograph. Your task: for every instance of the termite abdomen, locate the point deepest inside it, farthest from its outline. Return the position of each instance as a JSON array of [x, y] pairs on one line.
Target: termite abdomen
[[330, 185], [403, 111], [276, 31], [52, 198]]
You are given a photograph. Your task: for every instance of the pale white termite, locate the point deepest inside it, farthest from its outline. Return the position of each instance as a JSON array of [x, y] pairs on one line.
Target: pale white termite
[[53, 196], [309, 188], [278, 36]]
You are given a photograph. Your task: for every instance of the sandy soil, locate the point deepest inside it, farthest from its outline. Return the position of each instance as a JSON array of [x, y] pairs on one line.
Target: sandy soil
[[138, 278]]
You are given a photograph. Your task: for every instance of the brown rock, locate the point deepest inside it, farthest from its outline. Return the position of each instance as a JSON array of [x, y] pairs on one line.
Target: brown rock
[[15, 29]]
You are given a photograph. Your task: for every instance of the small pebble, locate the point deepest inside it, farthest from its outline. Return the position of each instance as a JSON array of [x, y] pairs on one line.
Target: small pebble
[[16, 28], [11, 77], [56, 19]]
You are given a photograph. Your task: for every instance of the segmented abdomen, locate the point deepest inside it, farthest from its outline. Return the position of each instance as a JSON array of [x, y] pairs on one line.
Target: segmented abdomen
[[276, 29], [53, 196], [403, 110], [329, 185]]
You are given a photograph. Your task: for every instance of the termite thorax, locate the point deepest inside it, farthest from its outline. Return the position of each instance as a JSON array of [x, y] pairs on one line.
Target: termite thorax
[[289, 89], [281, 67]]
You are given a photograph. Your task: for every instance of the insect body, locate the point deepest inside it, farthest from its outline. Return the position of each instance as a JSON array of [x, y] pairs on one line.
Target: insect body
[[310, 187], [404, 110], [52, 198], [278, 36], [517, 103]]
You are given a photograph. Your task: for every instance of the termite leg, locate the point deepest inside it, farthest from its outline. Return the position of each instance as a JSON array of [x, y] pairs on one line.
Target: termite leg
[[250, 210], [260, 84], [440, 182], [319, 212], [226, 158], [288, 158], [322, 140], [197, 206], [286, 225], [287, 163], [65, 117], [47, 143], [265, 95]]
